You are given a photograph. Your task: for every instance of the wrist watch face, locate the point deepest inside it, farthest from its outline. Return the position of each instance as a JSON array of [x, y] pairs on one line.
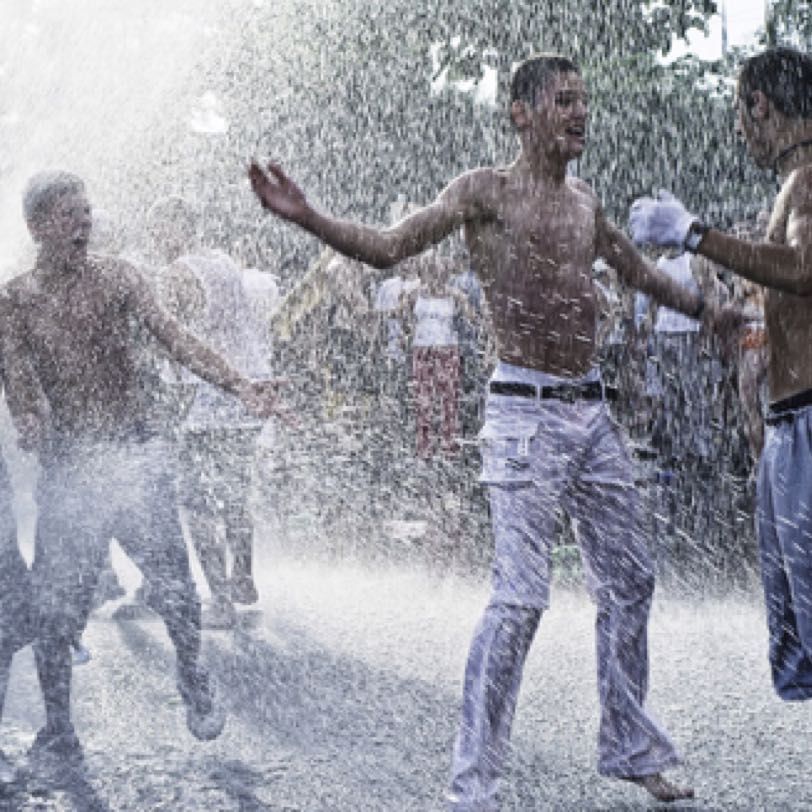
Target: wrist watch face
[[695, 234]]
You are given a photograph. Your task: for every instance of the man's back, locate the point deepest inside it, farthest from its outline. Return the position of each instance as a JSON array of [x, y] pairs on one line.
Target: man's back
[[226, 321]]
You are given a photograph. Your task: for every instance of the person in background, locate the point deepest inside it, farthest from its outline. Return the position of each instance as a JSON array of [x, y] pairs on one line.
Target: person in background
[[206, 291], [431, 310], [105, 471]]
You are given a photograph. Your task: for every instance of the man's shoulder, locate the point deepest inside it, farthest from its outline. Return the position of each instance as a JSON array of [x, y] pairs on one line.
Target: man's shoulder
[[19, 288], [480, 183], [798, 187], [581, 187]]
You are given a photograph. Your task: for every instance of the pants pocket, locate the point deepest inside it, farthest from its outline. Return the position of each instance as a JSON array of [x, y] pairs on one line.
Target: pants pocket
[[507, 457]]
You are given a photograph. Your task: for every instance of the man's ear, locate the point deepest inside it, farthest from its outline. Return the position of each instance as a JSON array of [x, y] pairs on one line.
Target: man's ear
[[34, 230], [518, 114], [760, 107]]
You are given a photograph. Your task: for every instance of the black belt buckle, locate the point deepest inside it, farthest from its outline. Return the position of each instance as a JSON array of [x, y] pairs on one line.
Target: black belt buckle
[[593, 390], [567, 394]]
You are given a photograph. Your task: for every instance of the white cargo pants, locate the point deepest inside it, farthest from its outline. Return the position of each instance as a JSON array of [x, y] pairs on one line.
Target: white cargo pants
[[539, 456]]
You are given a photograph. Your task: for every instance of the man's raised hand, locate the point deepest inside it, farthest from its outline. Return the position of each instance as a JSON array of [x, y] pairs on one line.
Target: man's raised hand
[[661, 220], [277, 192]]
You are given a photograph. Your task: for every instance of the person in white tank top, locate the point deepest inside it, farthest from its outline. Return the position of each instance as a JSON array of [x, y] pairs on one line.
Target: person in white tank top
[[205, 289]]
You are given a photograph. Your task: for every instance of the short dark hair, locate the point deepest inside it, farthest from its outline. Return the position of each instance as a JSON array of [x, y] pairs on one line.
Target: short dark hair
[[784, 76], [535, 72], [45, 188]]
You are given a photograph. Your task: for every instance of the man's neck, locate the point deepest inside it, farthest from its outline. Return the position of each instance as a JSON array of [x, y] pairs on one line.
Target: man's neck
[[795, 153], [54, 266], [539, 167]]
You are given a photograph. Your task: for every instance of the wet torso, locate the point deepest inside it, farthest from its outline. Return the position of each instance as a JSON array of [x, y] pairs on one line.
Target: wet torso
[[788, 317], [84, 344], [534, 251]]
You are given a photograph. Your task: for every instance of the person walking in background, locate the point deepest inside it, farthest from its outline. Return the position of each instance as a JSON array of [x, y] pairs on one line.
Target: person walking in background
[[205, 290]]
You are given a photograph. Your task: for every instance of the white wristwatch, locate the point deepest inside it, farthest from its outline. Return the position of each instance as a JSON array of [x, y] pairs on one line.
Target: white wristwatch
[[695, 235]]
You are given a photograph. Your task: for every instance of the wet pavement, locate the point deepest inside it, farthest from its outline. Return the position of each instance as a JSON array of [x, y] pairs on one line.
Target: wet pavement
[[343, 690]]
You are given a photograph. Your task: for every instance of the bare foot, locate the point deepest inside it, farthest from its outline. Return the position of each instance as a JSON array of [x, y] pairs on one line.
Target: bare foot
[[661, 788]]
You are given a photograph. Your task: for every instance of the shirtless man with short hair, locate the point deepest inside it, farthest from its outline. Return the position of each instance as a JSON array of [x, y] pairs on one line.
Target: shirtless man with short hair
[[533, 233], [774, 117], [105, 469]]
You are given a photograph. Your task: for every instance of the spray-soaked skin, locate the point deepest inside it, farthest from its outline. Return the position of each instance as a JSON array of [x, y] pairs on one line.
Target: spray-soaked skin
[[787, 316], [533, 234], [534, 251], [82, 332]]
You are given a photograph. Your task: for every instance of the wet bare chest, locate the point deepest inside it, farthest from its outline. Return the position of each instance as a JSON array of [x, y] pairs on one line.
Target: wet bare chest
[[541, 254], [78, 326]]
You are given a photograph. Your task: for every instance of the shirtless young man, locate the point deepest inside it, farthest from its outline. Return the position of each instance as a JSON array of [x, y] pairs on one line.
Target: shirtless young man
[[105, 471], [533, 234], [774, 117]]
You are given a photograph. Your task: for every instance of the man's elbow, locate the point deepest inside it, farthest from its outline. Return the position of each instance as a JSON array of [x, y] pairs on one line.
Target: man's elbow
[[802, 287], [801, 282], [380, 262]]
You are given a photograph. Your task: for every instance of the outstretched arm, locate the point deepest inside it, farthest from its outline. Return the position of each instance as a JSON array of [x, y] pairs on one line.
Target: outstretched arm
[[379, 247], [192, 353], [786, 266], [619, 251]]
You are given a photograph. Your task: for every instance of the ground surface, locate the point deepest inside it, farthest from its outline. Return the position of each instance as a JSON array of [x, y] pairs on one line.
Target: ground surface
[[344, 693]]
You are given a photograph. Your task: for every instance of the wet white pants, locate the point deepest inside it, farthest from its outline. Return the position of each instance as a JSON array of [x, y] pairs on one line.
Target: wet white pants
[[539, 456]]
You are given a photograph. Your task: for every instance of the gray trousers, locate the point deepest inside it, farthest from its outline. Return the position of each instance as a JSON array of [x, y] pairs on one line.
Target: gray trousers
[[784, 515], [541, 456], [85, 496], [216, 467]]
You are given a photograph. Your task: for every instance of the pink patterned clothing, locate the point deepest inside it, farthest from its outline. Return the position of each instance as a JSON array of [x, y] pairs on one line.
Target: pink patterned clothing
[[436, 374]]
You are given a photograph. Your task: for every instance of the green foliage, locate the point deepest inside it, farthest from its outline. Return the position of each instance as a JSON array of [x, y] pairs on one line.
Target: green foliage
[[341, 93], [789, 23]]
